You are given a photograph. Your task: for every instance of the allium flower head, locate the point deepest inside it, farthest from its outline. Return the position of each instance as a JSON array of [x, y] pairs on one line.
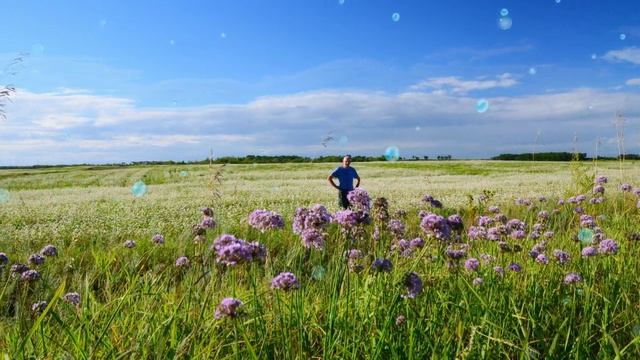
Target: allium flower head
[[477, 233], [572, 278], [515, 267], [626, 187], [346, 218], [485, 221], [413, 285], [516, 224], [589, 251], [499, 270], [49, 250], [542, 259], [396, 227], [493, 209], [416, 243], [30, 275], [518, 234], [182, 262], [36, 259], [359, 199], [586, 221], [598, 189], [72, 298], [4, 260], [382, 265], [456, 254], [494, 234], [231, 251], [39, 306], [561, 256], [17, 269], [312, 238], [129, 244], [542, 198], [400, 320], [229, 308], [208, 222], [580, 198], [455, 222], [285, 281], [608, 247], [264, 220], [436, 226], [543, 215], [601, 180], [472, 264], [158, 239], [548, 234], [478, 281]]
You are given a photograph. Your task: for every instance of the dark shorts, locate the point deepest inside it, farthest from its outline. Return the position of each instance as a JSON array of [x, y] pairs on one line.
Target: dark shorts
[[342, 198]]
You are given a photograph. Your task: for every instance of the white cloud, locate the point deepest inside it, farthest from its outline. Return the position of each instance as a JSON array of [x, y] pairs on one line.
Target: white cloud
[[458, 86], [633, 82], [71, 127], [630, 54]]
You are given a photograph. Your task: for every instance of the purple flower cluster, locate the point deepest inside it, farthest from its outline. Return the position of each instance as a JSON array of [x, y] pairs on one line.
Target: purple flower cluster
[[626, 187], [436, 226], [601, 180], [413, 285], [182, 262], [589, 251], [72, 298], [347, 219], [608, 247], [572, 278], [317, 218], [396, 227], [35, 259], [586, 221], [39, 306], [285, 281], [472, 264], [382, 265], [436, 204], [30, 275], [359, 199], [493, 209], [478, 281], [542, 259], [406, 247], [129, 244], [264, 220], [561, 256], [456, 252], [49, 250], [523, 202], [232, 251], [515, 267], [477, 233], [158, 239], [18, 269], [312, 238], [455, 222], [228, 307], [598, 189]]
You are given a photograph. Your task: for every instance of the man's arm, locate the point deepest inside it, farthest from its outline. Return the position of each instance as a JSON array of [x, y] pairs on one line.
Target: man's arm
[[357, 181], [330, 178]]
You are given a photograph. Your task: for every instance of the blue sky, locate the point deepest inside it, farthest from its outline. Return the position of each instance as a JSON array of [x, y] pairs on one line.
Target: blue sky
[[111, 81]]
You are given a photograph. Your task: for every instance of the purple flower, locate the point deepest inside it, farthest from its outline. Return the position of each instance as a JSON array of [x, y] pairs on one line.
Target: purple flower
[[608, 247], [360, 200], [586, 221], [207, 211], [30, 275], [561, 256], [312, 238], [49, 250], [478, 281], [543, 215], [455, 222], [264, 220], [504, 246], [542, 259], [346, 218], [381, 264], [601, 180], [487, 259], [39, 306], [208, 222], [396, 227], [4, 260], [626, 187], [598, 189], [580, 198], [228, 307], [472, 264], [499, 270], [518, 234], [477, 233], [18, 268], [400, 320], [548, 234], [285, 281], [485, 221], [36, 259], [72, 298], [416, 243], [515, 267], [589, 251], [413, 285], [523, 201], [493, 209], [232, 251], [516, 224], [158, 239], [572, 278], [500, 218], [129, 244], [436, 226], [578, 210], [542, 198], [182, 262], [493, 234], [636, 191], [456, 254], [560, 202]]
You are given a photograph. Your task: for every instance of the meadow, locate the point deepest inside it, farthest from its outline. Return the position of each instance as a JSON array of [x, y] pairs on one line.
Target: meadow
[[497, 298]]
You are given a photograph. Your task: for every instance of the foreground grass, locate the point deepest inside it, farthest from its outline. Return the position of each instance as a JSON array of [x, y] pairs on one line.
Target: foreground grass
[[135, 303]]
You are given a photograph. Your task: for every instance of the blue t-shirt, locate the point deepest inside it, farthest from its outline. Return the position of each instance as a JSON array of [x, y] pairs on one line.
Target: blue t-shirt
[[345, 177]]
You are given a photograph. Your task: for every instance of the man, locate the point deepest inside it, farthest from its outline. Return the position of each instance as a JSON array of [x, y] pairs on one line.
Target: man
[[345, 175]]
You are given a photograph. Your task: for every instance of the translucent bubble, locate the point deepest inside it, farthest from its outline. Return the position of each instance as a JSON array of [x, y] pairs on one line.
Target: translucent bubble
[[343, 139], [317, 272], [395, 17], [623, 36], [172, 42], [392, 153], [482, 106], [533, 71], [341, 2], [593, 56], [223, 35], [417, 128], [504, 12], [504, 23], [174, 103], [183, 173], [103, 23], [558, 1], [585, 236], [139, 188], [590, 107], [37, 49], [4, 196]]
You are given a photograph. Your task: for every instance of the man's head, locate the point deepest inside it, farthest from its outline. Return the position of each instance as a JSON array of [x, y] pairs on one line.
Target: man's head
[[346, 161]]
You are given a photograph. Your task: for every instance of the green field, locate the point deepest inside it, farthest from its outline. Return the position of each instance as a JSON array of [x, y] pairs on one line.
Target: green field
[[137, 304]]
